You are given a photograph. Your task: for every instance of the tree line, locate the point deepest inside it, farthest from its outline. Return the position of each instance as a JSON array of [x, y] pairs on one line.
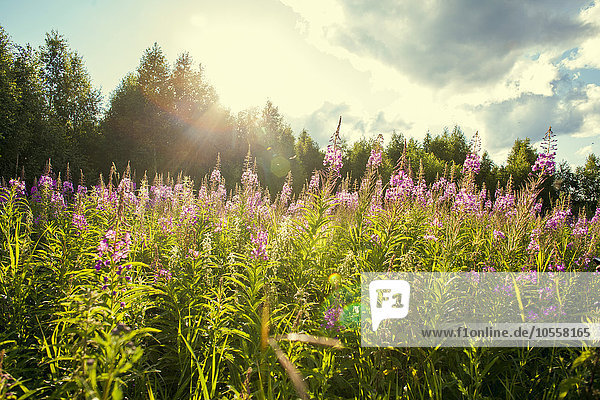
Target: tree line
[[167, 118]]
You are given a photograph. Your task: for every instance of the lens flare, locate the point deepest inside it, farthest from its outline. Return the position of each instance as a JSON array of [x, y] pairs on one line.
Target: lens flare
[[335, 279]]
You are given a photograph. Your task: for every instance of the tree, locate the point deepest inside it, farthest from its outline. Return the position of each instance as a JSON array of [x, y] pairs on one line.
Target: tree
[[153, 78], [73, 104], [309, 156], [395, 147], [192, 95], [274, 148], [138, 123], [589, 180], [122, 129], [450, 146], [25, 142], [356, 158], [427, 142], [8, 105], [518, 163], [487, 173]]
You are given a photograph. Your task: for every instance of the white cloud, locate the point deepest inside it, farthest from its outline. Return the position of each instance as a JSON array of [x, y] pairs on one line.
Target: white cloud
[[491, 67], [588, 52], [590, 109], [584, 151]]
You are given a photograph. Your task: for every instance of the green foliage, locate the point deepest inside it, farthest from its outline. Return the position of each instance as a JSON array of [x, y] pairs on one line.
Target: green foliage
[[167, 118], [519, 162], [195, 309], [451, 147], [310, 158]]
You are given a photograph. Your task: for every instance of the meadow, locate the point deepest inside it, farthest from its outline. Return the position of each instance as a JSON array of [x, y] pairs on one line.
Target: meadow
[[165, 288]]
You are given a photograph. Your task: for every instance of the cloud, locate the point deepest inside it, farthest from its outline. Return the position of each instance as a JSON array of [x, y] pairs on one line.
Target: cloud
[[590, 110], [573, 111], [466, 41], [322, 122], [587, 55], [584, 151], [504, 68]]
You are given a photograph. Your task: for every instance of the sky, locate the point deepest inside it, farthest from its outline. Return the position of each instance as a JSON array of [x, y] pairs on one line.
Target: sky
[[507, 69]]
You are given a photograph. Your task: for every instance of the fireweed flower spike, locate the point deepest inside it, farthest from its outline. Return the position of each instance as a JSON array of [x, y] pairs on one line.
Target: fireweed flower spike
[[333, 159], [113, 249], [333, 155], [314, 182], [375, 160], [545, 163], [18, 186], [260, 245], [472, 163]]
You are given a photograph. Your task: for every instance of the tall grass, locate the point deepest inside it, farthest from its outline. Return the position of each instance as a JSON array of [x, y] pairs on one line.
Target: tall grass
[[159, 290]]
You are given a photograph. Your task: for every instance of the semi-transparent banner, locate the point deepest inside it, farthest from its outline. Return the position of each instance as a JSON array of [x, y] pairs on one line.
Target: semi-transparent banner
[[499, 309]]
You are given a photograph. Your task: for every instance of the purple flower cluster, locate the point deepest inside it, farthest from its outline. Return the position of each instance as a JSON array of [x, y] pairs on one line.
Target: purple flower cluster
[[581, 227], [259, 252], [286, 194], [504, 203], [295, 207], [126, 186], [333, 159], [18, 186], [249, 178], [560, 267], [499, 235], [67, 188], [58, 201], [80, 222], [401, 187], [46, 181], [113, 248], [163, 275], [313, 186], [596, 217], [559, 217], [506, 289], [166, 225], [537, 207], [446, 190], [347, 199], [189, 215], [472, 164], [466, 201], [331, 318], [545, 163], [215, 176], [375, 159], [534, 240]]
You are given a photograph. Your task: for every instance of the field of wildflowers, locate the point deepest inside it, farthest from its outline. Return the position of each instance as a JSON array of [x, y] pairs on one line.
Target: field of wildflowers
[[163, 289]]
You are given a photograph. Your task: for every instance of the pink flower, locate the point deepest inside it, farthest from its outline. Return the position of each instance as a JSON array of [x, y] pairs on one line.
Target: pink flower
[[333, 159], [260, 245], [374, 159], [499, 235], [215, 176]]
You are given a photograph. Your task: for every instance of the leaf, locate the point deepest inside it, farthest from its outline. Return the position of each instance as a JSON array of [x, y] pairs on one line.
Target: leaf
[[583, 357], [566, 385]]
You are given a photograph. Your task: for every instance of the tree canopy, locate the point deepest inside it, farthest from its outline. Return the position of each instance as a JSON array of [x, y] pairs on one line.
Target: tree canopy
[[166, 117]]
